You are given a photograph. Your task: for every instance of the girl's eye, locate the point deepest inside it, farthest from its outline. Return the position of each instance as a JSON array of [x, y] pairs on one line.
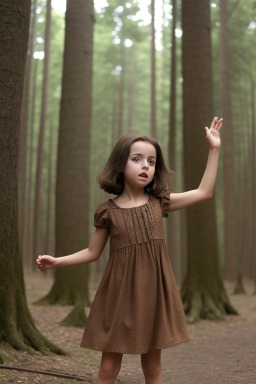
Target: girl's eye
[[136, 159], [151, 162]]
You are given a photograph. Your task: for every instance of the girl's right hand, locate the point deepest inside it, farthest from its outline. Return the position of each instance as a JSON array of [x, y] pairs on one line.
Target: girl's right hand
[[45, 262]]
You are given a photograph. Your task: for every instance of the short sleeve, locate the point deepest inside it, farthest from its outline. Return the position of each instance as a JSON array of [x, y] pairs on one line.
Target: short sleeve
[[165, 203], [101, 216]]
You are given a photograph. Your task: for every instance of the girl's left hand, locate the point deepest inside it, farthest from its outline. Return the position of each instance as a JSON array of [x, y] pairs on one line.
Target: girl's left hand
[[213, 133]]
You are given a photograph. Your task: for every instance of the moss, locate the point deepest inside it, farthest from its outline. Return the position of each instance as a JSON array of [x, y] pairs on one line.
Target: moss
[[76, 318], [205, 304], [70, 288], [17, 326], [5, 353]]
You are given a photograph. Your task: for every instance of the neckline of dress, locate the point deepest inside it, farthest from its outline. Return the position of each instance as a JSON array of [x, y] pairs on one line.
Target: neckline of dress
[[136, 206]]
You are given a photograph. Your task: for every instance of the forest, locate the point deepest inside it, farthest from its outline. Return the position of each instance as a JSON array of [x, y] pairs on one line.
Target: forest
[[77, 75]]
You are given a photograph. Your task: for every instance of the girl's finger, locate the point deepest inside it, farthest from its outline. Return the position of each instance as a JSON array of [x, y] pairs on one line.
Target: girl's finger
[[219, 124], [214, 122]]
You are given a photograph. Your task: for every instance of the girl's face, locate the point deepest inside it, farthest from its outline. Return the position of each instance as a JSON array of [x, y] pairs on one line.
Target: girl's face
[[140, 167]]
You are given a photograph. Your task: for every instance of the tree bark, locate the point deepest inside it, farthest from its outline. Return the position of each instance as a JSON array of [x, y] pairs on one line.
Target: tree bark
[[48, 228], [24, 120], [131, 89], [72, 186], [16, 324], [253, 230], [121, 82], [153, 72], [248, 195], [228, 147], [172, 219], [172, 115], [203, 292], [28, 256], [40, 152]]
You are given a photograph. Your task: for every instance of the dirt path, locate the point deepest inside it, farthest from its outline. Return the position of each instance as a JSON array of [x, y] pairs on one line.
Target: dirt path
[[220, 359], [218, 353]]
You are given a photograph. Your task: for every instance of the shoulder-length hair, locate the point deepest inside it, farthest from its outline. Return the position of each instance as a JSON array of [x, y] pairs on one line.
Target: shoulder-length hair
[[111, 178]]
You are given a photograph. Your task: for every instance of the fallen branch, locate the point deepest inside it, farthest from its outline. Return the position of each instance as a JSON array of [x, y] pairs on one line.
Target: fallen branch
[[49, 373]]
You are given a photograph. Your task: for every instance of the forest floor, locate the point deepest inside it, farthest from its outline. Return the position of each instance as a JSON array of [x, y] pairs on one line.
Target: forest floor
[[218, 353]]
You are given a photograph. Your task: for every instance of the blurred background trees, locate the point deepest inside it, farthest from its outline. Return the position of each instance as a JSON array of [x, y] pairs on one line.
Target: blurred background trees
[[133, 81], [73, 162]]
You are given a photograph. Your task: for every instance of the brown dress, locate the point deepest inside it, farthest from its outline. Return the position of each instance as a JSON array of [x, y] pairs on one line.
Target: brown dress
[[137, 306]]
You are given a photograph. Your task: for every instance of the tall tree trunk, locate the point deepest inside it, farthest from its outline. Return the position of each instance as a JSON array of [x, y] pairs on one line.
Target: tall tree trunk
[[253, 244], [48, 227], [248, 191], [121, 82], [28, 256], [153, 72], [228, 147], [172, 219], [172, 115], [114, 121], [131, 89], [242, 225], [24, 118], [72, 187], [203, 291], [16, 324], [39, 167]]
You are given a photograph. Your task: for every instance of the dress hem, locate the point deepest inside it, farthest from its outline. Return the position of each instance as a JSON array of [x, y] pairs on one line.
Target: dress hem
[[140, 352]]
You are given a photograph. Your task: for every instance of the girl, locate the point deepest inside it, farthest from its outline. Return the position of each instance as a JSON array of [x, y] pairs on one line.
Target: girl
[[137, 308]]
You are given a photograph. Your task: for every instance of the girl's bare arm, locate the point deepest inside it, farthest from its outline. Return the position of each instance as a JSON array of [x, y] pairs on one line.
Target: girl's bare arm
[[206, 187], [92, 253]]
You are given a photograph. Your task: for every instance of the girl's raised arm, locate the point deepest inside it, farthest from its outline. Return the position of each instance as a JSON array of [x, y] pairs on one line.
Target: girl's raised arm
[[92, 253], [206, 187]]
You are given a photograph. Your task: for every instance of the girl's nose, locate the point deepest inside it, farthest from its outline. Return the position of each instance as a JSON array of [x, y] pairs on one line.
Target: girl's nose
[[145, 165]]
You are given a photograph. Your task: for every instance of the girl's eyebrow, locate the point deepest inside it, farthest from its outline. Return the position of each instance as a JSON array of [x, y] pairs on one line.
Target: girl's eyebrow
[[140, 154]]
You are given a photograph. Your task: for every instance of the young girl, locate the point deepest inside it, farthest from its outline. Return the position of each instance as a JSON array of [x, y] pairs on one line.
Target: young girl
[[137, 308]]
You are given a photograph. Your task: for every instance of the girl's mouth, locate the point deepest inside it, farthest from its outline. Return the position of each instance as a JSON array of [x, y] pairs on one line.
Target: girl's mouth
[[144, 175]]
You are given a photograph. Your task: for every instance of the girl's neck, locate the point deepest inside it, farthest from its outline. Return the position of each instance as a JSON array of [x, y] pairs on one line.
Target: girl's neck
[[133, 197]]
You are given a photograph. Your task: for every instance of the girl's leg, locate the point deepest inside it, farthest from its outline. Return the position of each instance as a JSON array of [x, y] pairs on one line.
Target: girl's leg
[[109, 367], [151, 366]]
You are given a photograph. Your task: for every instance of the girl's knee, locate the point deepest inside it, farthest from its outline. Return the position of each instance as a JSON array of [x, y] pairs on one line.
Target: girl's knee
[[151, 364], [110, 366], [151, 371]]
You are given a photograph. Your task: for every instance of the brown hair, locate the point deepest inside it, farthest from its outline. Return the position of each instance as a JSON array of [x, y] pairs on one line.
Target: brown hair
[[111, 178]]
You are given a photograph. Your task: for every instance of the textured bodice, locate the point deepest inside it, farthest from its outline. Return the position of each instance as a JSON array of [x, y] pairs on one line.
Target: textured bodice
[[131, 226]]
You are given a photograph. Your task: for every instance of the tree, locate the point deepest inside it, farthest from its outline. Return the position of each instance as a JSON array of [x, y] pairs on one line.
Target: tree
[[121, 81], [16, 324], [72, 186], [172, 115], [40, 155], [228, 146], [203, 291], [172, 220], [153, 72], [253, 187], [24, 125], [51, 128], [131, 89]]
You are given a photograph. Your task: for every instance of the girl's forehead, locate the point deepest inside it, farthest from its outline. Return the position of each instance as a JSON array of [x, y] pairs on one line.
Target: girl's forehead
[[143, 147]]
